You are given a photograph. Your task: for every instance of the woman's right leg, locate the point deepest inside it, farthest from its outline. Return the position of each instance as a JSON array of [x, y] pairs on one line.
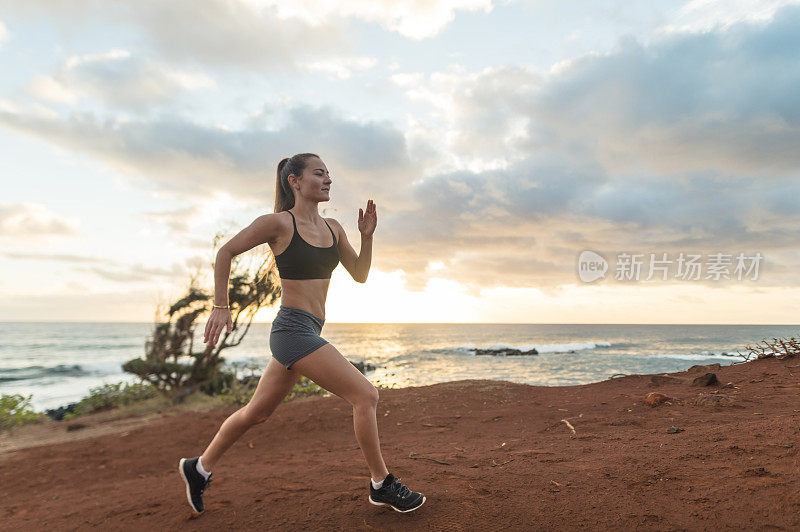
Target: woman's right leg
[[275, 383], [328, 368]]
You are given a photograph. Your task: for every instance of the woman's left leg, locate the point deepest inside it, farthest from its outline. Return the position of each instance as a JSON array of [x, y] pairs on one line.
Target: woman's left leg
[[328, 368], [275, 383]]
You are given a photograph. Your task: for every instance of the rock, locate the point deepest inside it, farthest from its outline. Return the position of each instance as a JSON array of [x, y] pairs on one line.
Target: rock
[[58, 413], [674, 430], [363, 366], [712, 399], [655, 398], [664, 379], [729, 385], [249, 379], [705, 380], [715, 366], [505, 352]]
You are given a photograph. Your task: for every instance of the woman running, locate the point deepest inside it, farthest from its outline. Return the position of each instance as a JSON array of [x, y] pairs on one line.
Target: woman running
[[297, 347]]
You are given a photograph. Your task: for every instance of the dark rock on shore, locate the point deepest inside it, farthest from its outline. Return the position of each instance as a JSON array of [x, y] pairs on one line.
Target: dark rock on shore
[[363, 366], [505, 352], [705, 380], [58, 413], [715, 365]]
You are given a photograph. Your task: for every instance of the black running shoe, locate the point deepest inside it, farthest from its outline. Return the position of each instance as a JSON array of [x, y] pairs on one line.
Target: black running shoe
[[394, 494], [196, 483]]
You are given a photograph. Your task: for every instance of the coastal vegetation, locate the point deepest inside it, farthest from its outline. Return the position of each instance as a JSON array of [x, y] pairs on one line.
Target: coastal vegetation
[[172, 363], [16, 409]]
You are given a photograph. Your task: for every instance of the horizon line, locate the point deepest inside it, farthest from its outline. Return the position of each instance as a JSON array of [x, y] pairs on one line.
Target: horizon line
[[441, 323]]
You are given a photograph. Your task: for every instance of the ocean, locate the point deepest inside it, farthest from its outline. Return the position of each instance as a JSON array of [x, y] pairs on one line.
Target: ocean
[[59, 362]]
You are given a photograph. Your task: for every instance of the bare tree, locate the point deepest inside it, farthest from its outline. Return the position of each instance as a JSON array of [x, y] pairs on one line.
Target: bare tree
[[776, 348]]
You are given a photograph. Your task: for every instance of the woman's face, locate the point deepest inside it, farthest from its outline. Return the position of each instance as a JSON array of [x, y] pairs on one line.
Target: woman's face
[[316, 182]]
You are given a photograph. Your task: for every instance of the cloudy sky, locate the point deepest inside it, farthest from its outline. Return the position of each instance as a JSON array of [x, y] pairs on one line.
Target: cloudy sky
[[498, 139]]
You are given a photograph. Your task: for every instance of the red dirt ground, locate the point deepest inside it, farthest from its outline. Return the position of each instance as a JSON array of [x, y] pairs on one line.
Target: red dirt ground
[[488, 455]]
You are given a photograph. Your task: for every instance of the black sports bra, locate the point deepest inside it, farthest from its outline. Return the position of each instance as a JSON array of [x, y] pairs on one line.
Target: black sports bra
[[301, 260]]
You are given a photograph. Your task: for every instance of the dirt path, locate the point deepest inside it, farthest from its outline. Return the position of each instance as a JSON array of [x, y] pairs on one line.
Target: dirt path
[[488, 455]]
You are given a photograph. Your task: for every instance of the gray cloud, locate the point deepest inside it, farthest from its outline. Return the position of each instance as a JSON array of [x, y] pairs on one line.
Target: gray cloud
[[194, 160], [25, 220], [117, 78], [684, 144], [723, 99], [542, 219], [218, 33], [227, 34]]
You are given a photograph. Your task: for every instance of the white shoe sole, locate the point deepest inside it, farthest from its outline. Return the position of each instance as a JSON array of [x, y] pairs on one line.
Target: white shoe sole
[[376, 503], [186, 481]]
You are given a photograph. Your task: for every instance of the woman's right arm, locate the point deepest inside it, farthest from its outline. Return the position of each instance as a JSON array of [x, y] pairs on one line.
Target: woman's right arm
[[263, 229]]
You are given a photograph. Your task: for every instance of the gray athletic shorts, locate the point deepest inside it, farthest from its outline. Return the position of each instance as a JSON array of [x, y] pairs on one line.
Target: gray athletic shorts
[[295, 333]]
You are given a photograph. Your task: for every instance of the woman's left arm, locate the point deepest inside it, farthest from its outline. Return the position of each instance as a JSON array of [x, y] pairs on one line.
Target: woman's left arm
[[358, 265]]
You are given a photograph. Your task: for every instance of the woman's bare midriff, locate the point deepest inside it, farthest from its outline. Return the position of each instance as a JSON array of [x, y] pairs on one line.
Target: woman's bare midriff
[[306, 294]]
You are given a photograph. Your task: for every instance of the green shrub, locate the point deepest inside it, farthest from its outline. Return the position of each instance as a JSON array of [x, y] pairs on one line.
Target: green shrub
[[303, 388], [239, 393], [235, 391], [110, 396], [217, 382], [15, 409]]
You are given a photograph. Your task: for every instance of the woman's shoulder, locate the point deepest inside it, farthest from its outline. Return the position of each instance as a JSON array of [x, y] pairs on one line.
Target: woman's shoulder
[[280, 217], [275, 223], [337, 228]]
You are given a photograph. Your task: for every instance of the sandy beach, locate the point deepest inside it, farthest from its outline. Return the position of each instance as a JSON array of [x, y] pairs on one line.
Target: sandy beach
[[488, 455]]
